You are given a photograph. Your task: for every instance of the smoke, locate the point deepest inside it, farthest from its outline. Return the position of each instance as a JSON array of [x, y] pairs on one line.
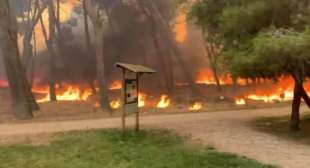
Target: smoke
[[127, 39]]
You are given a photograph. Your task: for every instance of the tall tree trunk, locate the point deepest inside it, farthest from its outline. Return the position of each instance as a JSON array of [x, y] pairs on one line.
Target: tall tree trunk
[[162, 62], [305, 97], [86, 28], [88, 43], [27, 52], [51, 41], [98, 20], [213, 66], [101, 76], [32, 68], [19, 86], [216, 77], [29, 30], [167, 35], [211, 55], [295, 117]]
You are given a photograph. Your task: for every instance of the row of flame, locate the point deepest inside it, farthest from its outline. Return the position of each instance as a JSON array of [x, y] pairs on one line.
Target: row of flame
[[282, 91], [163, 103]]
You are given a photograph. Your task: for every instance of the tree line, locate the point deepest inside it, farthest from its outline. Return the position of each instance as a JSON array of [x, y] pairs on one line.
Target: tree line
[[149, 20]]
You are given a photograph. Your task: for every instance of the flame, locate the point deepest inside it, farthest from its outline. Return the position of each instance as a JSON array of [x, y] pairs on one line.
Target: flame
[[115, 104], [97, 104], [240, 102], [141, 98], [4, 83], [280, 92], [280, 97], [66, 12], [116, 85], [180, 28], [205, 76], [71, 93], [180, 84], [196, 106], [164, 102]]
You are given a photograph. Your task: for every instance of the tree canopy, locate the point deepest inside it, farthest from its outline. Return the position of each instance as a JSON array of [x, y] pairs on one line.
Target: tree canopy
[[260, 38]]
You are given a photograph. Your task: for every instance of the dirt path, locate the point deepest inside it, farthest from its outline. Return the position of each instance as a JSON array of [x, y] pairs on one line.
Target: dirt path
[[226, 131]]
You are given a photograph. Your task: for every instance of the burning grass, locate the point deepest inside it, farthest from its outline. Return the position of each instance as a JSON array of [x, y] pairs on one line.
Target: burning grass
[[109, 149], [279, 126]]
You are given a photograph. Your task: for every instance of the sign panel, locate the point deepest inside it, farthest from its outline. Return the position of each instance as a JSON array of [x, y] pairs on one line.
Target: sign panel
[[131, 108], [131, 93]]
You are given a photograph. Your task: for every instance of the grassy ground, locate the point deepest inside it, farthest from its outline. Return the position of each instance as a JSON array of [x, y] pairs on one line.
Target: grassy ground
[[280, 126], [108, 149]]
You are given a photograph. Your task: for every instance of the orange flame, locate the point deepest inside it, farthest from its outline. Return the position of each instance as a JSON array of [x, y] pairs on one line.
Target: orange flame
[[205, 76], [180, 28], [97, 104], [71, 93], [196, 106], [115, 104], [142, 100], [116, 85], [66, 13], [279, 92], [240, 102], [4, 83], [164, 102]]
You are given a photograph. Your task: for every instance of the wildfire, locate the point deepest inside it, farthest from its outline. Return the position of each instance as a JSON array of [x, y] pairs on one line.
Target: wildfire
[[71, 93], [280, 97], [240, 102], [164, 102], [115, 104], [180, 28], [66, 13], [4, 83], [205, 76], [141, 98], [116, 85], [97, 104], [280, 92], [196, 106]]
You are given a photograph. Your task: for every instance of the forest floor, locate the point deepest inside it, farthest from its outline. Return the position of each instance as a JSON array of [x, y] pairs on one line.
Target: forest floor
[[228, 131]]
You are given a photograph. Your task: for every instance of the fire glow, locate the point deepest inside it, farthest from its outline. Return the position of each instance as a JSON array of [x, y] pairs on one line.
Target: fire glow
[[141, 100], [116, 85], [196, 106], [71, 93], [240, 102], [205, 76], [180, 28], [164, 102], [115, 104], [4, 83]]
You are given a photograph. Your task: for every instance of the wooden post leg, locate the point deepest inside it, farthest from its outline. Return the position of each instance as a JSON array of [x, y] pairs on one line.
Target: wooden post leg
[[137, 114], [137, 122], [123, 123], [124, 102]]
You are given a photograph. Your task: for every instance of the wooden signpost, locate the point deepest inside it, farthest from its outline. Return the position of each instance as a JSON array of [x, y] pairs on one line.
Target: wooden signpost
[[130, 91]]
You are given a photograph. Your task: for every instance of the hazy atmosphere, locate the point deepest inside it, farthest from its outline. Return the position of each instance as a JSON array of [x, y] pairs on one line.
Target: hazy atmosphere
[[215, 83]]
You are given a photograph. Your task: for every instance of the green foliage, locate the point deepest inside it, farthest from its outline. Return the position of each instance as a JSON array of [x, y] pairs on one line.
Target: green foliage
[[261, 38], [272, 53], [109, 149]]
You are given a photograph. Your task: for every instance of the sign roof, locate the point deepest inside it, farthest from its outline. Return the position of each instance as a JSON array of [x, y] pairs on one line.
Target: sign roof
[[135, 68]]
